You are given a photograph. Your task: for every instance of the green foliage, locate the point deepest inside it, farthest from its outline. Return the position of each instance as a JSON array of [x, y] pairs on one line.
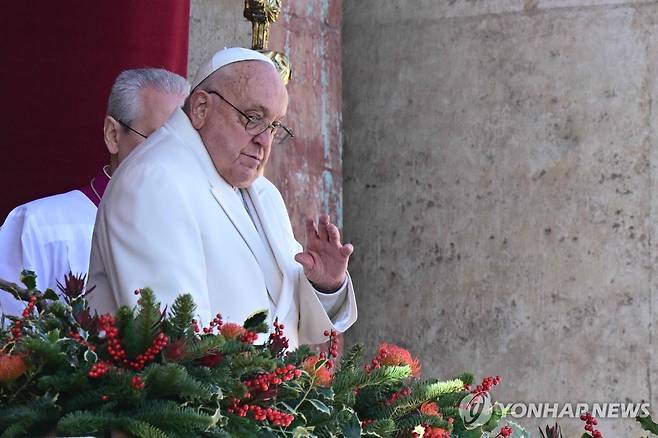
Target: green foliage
[[200, 383], [172, 381], [648, 424], [179, 323]]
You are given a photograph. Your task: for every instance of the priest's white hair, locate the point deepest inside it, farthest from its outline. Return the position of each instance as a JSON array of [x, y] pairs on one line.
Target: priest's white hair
[[124, 103]]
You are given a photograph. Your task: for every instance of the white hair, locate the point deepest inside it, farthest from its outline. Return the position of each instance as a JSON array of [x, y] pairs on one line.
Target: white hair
[[124, 103]]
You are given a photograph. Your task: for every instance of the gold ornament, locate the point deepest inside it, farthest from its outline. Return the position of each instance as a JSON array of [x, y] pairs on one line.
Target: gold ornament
[[262, 13]]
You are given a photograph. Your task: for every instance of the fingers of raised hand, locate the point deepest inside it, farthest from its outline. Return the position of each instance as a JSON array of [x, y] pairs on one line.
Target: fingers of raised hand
[[323, 225], [333, 234], [304, 259], [311, 229], [347, 250]]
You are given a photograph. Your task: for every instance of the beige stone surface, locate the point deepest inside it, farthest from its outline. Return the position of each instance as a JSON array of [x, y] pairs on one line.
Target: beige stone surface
[[215, 24], [500, 180]]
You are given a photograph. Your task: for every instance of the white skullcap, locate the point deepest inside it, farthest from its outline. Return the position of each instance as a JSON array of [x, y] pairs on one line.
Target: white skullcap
[[225, 57]]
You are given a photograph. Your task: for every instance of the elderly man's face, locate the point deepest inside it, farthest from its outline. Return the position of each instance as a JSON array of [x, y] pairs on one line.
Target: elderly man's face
[[156, 107], [256, 89]]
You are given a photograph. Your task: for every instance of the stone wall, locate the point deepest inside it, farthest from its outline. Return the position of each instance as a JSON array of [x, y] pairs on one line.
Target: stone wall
[[499, 182], [307, 170]]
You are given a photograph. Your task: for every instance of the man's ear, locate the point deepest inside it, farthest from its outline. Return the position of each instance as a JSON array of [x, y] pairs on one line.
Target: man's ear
[[111, 134], [198, 108]]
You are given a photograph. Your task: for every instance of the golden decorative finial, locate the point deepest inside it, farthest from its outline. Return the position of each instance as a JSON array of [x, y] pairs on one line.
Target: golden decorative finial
[[262, 13]]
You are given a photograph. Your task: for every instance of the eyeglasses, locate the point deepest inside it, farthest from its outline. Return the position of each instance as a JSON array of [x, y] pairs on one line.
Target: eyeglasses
[[125, 125], [257, 125]]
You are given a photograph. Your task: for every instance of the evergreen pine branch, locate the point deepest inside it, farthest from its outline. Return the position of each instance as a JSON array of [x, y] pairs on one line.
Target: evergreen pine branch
[[352, 358], [125, 322], [81, 423], [138, 429], [16, 430], [432, 390], [173, 381], [204, 346], [358, 378], [298, 356], [177, 421], [235, 347], [147, 320], [181, 316], [383, 428], [466, 378], [248, 364]]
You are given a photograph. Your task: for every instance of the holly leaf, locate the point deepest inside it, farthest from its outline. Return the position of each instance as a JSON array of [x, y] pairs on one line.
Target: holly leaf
[[91, 356], [317, 404], [647, 424], [302, 432], [349, 424], [50, 294], [254, 321], [29, 279]]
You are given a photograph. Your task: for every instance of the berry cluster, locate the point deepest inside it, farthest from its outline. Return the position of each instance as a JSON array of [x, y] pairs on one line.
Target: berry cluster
[[333, 348], [249, 337], [505, 432], [117, 352], [137, 382], [274, 416], [195, 326], [99, 369], [590, 422], [215, 323], [77, 338], [264, 381], [404, 392], [159, 343], [17, 327], [277, 343], [487, 384]]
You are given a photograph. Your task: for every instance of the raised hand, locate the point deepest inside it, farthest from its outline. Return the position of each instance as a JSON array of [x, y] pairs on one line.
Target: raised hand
[[324, 257]]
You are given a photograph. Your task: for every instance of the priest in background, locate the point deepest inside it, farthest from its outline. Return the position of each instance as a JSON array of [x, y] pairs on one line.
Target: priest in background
[[189, 212], [52, 235]]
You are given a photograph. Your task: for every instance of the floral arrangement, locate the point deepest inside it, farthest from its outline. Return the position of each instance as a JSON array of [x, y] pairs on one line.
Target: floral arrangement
[[153, 372]]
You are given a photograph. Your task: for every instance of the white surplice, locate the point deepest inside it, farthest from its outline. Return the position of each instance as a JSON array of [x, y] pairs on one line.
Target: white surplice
[[50, 236], [170, 222]]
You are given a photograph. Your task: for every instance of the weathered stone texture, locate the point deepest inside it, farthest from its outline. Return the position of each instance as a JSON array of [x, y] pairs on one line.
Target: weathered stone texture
[[500, 190]]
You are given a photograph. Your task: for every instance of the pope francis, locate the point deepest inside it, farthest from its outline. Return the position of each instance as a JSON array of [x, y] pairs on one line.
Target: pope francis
[[189, 212]]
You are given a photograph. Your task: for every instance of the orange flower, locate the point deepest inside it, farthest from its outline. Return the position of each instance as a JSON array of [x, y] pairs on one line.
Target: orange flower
[[11, 367], [430, 408], [393, 355], [231, 330], [321, 375]]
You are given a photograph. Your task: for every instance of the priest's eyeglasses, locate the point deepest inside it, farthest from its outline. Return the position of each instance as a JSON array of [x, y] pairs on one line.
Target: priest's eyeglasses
[[125, 125], [257, 125]]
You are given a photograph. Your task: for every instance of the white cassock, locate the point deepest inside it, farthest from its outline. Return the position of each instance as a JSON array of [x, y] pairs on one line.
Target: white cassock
[[50, 236], [170, 222]]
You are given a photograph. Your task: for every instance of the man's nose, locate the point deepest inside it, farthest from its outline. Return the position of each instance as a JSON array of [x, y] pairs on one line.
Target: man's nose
[[265, 138]]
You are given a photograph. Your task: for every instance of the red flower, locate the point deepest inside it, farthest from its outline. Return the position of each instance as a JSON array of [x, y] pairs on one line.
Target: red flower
[[392, 355], [322, 375], [231, 330], [176, 351], [211, 360], [12, 366]]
